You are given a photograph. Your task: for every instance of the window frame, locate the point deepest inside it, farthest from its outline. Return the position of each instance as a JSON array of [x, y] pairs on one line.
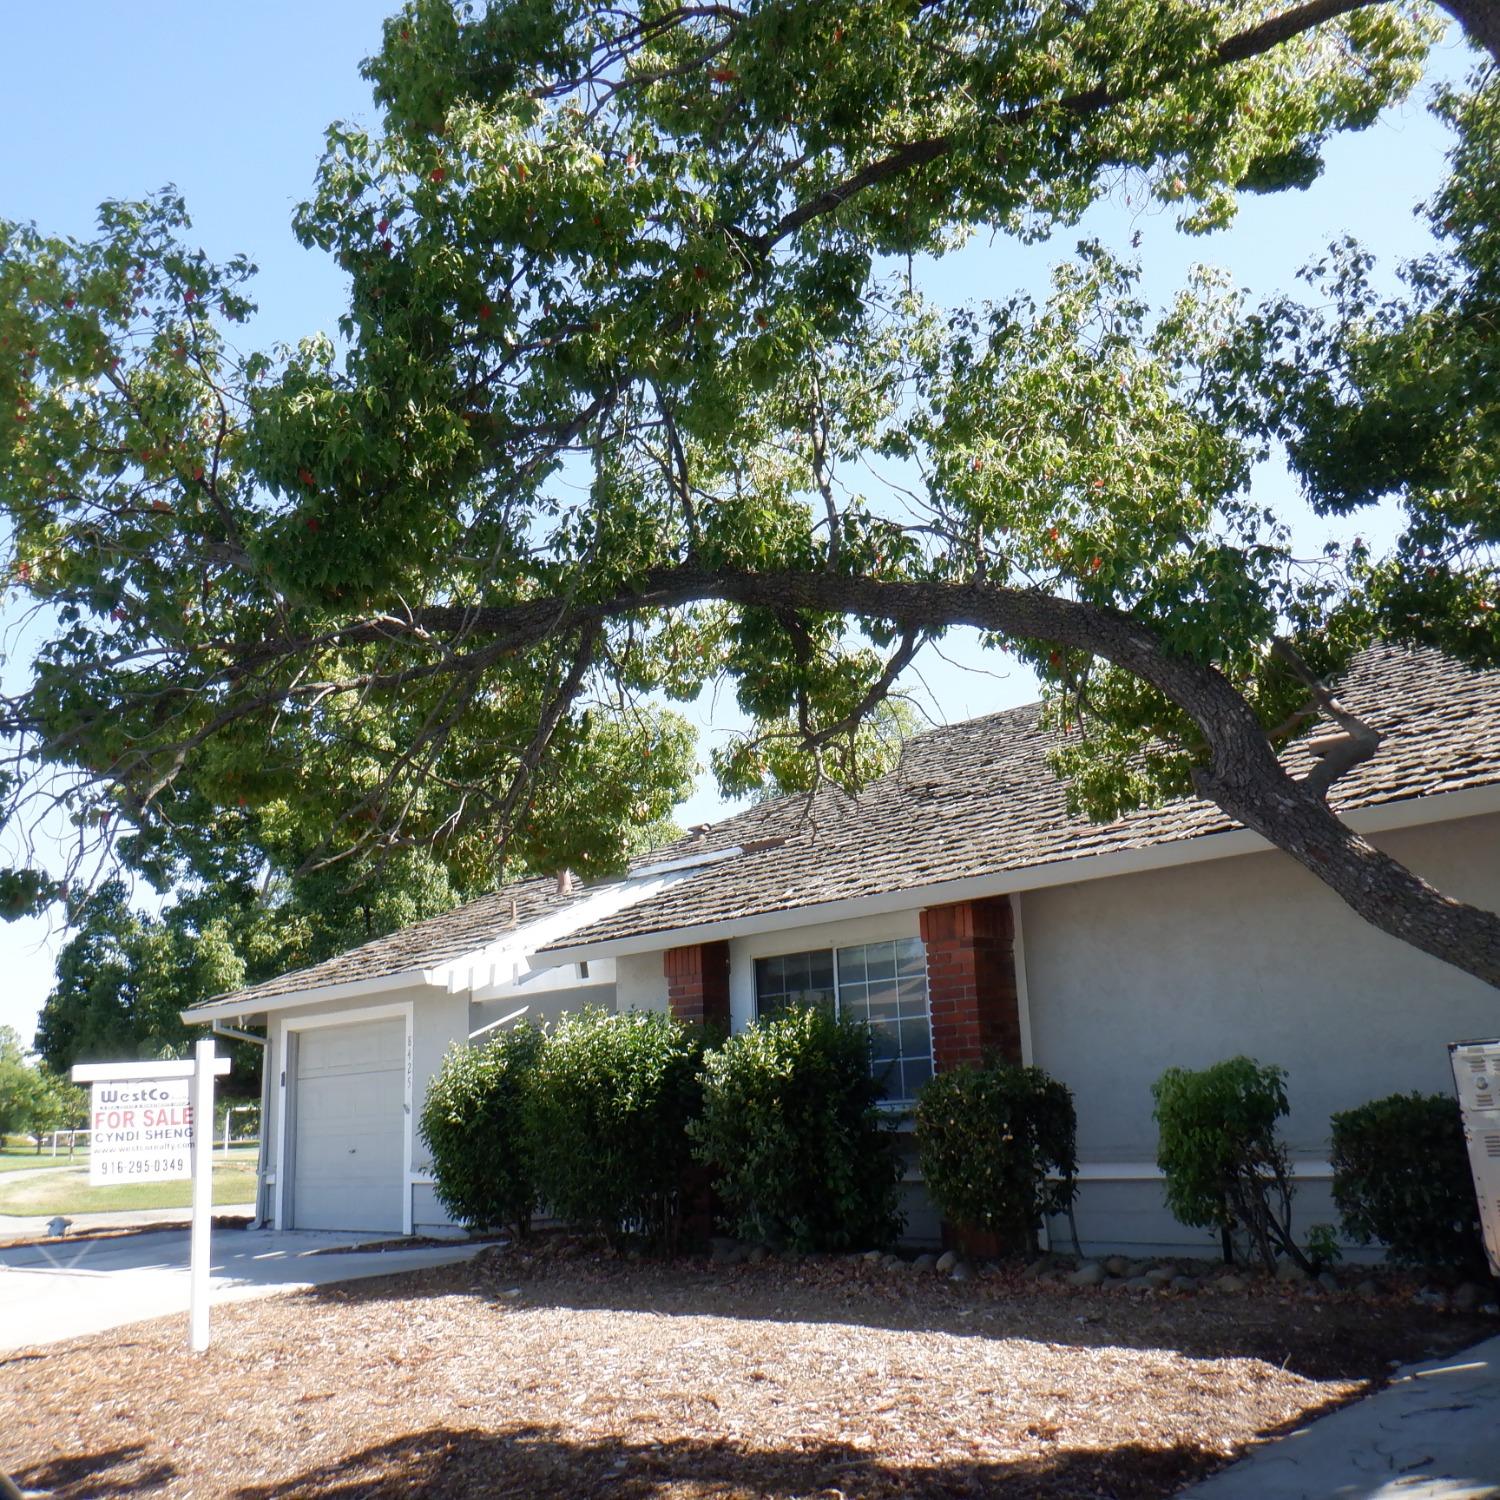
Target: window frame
[[903, 1103]]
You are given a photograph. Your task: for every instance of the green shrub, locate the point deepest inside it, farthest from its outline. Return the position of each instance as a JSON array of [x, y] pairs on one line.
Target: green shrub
[[1401, 1175], [473, 1124], [988, 1138], [607, 1112], [1225, 1166], [790, 1125]]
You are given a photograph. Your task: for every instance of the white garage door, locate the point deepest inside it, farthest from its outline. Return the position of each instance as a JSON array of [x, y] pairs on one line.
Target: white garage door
[[350, 1126]]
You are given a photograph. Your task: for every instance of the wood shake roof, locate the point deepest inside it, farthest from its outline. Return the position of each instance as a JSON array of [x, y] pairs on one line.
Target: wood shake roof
[[969, 800]]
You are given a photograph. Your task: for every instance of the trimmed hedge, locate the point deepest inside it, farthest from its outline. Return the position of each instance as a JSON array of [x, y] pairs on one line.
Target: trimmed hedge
[[988, 1139], [803, 1156], [607, 1113], [1226, 1168], [1401, 1175], [473, 1124]]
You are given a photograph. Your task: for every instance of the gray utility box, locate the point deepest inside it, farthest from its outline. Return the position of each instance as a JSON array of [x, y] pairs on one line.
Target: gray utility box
[[1476, 1074]]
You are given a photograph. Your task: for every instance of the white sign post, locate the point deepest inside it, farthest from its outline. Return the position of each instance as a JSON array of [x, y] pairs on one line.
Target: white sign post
[[146, 1118]]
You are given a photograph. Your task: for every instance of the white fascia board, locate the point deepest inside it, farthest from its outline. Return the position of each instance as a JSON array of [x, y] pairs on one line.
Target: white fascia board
[[515, 948], [1384, 817], [508, 960], [230, 1007]]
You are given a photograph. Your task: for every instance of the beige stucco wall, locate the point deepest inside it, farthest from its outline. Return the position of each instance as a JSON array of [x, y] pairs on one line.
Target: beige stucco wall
[[640, 982], [1185, 966], [543, 1007]]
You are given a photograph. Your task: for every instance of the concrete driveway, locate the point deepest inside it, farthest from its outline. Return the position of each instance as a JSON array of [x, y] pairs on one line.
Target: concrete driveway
[[62, 1289], [1432, 1434]]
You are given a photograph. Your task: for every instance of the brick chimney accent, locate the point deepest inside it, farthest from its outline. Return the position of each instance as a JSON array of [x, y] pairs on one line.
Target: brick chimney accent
[[971, 981], [698, 983]]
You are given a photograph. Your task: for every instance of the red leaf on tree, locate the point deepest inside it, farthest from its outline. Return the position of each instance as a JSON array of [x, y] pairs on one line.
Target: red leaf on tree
[[305, 477], [437, 174], [312, 524]]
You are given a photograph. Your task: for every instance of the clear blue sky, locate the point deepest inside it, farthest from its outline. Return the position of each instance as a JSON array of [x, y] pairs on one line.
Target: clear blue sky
[[229, 102]]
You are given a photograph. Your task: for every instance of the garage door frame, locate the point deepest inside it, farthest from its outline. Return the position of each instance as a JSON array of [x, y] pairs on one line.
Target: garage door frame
[[286, 1123]]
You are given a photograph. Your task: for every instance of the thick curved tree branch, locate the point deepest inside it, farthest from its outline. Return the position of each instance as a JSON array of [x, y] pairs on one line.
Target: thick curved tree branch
[[1242, 775], [1480, 20]]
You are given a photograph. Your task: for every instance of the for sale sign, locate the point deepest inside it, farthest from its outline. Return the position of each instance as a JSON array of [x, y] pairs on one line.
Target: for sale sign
[[143, 1131]]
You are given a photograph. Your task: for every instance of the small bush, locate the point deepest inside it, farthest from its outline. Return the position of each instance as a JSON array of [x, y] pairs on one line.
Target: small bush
[[473, 1124], [607, 1113], [1226, 1167], [1401, 1175], [988, 1138], [790, 1124]]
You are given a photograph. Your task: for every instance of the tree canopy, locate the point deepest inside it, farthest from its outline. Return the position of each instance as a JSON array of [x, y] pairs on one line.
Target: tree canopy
[[629, 305]]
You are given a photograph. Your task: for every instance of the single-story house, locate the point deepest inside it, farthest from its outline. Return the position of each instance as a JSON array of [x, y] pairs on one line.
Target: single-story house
[[958, 907]]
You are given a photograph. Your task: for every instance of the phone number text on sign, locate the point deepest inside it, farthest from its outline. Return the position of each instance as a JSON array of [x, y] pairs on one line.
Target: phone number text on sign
[[143, 1131]]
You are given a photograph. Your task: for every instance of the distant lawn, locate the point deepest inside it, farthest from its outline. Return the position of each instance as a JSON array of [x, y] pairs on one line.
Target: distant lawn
[[70, 1193], [25, 1159]]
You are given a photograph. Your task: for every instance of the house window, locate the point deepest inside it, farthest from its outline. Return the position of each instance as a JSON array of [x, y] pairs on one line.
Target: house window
[[881, 984]]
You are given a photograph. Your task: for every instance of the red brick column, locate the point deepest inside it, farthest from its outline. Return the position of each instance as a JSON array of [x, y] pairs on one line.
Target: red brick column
[[698, 983], [971, 981]]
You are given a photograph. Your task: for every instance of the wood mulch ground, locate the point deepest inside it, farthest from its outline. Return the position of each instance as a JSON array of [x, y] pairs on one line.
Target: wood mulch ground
[[557, 1373]]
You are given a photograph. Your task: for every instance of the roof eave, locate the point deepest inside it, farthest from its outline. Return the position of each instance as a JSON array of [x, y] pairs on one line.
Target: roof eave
[[244, 1007], [1381, 817]]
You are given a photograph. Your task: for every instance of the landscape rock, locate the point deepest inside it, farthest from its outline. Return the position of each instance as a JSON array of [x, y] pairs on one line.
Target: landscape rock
[[1140, 1284], [1117, 1265], [1231, 1284], [874, 1257], [1184, 1283], [889, 1262], [961, 1271], [755, 1254], [1288, 1271], [925, 1262], [947, 1260], [1160, 1275], [1090, 1273], [1368, 1289], [1039, 1268], [1328, 1281]]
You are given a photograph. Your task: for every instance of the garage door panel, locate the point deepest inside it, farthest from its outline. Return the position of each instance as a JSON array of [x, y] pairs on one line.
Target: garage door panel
[[350, 1127]]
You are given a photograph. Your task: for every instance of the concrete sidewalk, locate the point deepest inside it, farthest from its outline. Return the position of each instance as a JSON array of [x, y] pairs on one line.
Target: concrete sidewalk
[[63, 1289], [1432, 1434], [34, 1226]]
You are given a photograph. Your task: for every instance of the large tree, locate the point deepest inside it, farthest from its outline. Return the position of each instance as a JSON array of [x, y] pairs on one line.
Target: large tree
[[629, 302], [125, 975]]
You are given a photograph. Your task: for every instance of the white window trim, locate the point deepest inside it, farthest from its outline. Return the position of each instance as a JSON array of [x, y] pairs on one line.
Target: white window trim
[[894, 1106], [403, 1008]]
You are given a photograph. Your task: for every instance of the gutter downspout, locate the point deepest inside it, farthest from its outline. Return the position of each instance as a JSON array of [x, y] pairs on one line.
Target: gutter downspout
[[262, 1194]]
